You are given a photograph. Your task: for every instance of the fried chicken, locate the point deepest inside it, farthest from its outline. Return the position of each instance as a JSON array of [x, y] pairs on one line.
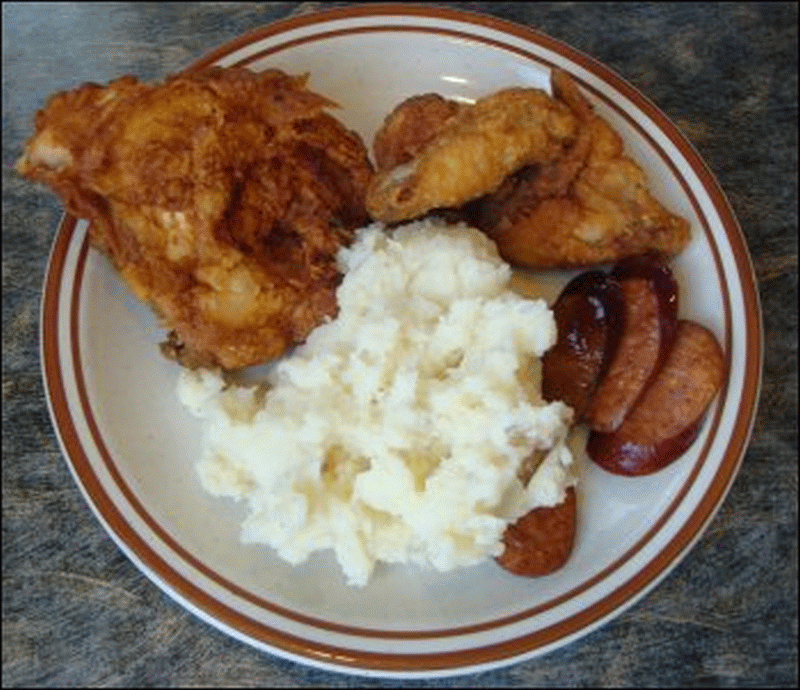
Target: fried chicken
[[590, 206], [578, 201], [222, 197], [471, 153], [410, 127]]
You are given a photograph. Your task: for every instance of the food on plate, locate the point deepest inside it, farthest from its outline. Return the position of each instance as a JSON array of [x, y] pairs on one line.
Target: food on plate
[[590, 316], [471, 154], [400, 430], [646, 402], [650, 298], [221, 196], [423, 417], [591, 206], [667, 419], [577, 200], [409, 127], [541, 541]]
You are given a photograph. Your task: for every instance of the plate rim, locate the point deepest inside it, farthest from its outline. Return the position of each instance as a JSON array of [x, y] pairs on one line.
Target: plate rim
[[501, 653]]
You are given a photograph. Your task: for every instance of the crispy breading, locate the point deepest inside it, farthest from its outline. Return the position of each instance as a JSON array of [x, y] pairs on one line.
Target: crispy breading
[[582, 201], [590, 206], [410, 127], [221, 196], [473, 153]]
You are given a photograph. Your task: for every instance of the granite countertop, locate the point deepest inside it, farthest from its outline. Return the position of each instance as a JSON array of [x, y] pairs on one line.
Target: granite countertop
[[77, 612]]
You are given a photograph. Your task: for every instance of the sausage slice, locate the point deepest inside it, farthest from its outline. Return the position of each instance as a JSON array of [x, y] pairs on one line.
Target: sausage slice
[[541, 541], [667, 418], [588, 315], [650, 295]]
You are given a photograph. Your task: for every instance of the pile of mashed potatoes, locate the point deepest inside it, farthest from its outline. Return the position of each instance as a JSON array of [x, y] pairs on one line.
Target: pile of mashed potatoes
[[397, 431]]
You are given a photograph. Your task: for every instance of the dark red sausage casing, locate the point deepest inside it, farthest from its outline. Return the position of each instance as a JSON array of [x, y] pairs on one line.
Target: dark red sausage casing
[[588, 315]]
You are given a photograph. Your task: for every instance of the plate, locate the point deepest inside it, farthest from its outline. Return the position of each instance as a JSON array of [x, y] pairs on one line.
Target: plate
[[132, 448]]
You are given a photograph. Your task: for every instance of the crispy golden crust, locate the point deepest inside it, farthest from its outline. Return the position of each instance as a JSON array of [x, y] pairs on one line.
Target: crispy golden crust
[[590, 206], [577, 201], [411, 126], [222, 197], [473, 153], [607, 214]]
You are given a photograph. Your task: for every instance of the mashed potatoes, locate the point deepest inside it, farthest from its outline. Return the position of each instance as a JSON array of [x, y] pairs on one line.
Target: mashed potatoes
[[396, 432]]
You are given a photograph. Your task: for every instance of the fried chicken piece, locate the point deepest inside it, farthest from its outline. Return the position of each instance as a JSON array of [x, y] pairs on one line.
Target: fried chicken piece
[[472, 153], [590, 206], [586, 203], [410, 127], [222, 197]]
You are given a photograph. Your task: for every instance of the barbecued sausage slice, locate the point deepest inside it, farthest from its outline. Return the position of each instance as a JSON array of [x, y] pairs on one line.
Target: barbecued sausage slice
[[650, 296], [588, 314], [668, 417], [541, 541]]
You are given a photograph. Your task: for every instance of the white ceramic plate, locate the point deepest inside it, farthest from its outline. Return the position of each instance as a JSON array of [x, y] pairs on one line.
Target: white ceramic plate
[[132, 448]]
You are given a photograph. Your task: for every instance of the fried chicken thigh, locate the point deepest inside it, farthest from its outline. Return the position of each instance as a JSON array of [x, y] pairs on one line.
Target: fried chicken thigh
[[471, 154], [222, 197], [578, 200], [411, 126], [590, 206]]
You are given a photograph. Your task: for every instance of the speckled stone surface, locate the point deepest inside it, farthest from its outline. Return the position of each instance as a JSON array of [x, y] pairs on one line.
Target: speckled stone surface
[[77, 612]]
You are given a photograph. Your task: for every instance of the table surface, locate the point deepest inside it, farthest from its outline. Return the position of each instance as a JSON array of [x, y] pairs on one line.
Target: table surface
[[76, 611]]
